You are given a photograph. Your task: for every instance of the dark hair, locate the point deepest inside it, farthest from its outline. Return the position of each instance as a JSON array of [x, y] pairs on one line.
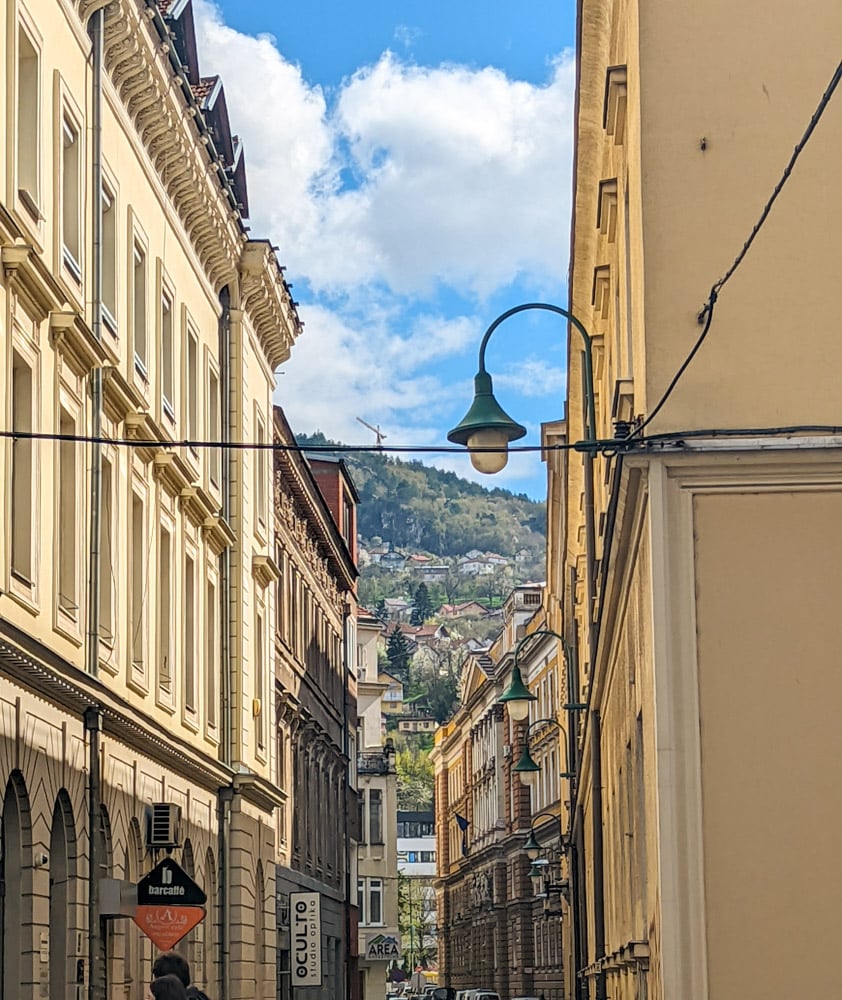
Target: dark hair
[[172, 964], [168, 988]]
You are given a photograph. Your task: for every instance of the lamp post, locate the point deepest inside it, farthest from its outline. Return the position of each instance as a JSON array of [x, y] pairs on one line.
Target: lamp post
[[486, 429], [517, 699], [527, 768]]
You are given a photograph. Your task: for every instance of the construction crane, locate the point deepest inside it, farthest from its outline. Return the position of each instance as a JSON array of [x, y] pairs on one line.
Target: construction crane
[[378, 434]]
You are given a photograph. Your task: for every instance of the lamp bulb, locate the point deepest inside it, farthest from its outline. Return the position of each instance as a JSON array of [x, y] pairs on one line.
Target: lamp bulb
[[489, 462]]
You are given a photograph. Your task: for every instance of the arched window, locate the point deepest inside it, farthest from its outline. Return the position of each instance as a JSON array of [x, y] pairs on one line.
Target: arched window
[[16, 876], [105, 857], [134, 938], [62, 899]]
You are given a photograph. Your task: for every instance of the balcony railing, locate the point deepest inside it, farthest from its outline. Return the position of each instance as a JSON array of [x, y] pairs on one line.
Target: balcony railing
[[376, 762]]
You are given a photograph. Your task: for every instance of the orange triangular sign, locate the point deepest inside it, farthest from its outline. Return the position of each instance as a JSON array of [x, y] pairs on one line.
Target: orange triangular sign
[[166, 925]]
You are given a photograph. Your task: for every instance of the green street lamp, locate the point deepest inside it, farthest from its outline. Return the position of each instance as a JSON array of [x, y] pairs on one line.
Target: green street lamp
[[531, 845], [486, 429], [517, 697], [527, 768]]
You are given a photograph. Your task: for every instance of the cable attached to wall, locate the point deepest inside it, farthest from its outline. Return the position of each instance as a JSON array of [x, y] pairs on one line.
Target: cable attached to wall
[[705, 316]]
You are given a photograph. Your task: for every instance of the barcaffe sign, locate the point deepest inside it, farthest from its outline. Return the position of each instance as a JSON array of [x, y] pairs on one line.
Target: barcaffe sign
[[305, 920]]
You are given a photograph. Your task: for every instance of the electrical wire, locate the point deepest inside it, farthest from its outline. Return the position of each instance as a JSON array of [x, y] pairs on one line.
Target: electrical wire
[[705, 316]]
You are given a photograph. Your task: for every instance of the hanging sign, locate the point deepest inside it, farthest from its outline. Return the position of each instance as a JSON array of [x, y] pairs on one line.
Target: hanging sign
[[305, 931], [169, 904]]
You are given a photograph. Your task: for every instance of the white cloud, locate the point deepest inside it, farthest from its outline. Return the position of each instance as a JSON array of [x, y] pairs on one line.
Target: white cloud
[[404, 182], [462, 175]]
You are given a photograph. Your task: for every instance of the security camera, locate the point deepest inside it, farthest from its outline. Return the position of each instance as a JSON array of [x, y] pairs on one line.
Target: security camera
[[41, 859]]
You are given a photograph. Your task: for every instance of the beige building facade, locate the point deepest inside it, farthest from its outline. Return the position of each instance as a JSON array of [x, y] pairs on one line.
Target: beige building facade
[[694, 568], [154, 689]]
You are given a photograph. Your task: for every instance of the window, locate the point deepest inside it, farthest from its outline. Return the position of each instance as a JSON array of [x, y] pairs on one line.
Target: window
[[214, 433], [361, 900], [261, 458], [139, 309], [68, 598], [28, 125], [375, 901], [167, 384], [190, 634], [71, 176], [375, 816], [361, 803], [212, 640], [259, 671], [137, 592], [191, 396], [109, 260], [164, 609], [106, 555], [22, 467]]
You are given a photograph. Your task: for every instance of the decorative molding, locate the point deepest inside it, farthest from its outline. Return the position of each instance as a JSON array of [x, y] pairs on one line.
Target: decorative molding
[[606, 209], [217, 534], [266, 298], [165, 120], [24, 270], [265, 570], [71, 336], [601, 291], [614, 107]]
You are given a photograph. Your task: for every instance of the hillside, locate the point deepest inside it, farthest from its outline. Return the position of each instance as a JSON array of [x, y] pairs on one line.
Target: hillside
[[412, 507]]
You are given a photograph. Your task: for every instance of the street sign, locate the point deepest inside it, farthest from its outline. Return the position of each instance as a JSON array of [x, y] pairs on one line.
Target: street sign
[[168, 882], [169, 904], [165, 924]]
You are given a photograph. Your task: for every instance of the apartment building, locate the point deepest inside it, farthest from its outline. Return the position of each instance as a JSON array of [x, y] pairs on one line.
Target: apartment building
[[695, 569], [136, 575], [315, 711], [379, 940], [495, 928]]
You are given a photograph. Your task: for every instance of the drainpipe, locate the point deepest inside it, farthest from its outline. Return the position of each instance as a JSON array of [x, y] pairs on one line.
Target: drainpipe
[[226, 795], [596, 834], [93, 718], [346, 614]]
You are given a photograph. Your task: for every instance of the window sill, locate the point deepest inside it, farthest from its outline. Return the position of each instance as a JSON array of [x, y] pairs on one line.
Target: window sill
[[137, 680]]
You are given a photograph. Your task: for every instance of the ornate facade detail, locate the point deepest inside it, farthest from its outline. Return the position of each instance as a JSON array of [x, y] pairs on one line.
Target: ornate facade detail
[[267, 299], [156, 100]]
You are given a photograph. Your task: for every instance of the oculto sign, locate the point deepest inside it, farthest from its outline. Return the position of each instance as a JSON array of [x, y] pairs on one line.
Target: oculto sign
[[305, 931]]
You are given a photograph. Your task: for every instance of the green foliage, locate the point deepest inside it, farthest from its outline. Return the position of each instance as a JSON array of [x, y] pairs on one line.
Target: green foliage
[[417, 507], [397, 653], [380, 612], [422, 607], [415, 779]]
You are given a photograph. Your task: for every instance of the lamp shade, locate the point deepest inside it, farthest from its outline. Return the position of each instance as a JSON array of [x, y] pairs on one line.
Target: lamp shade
[[531, 846], [527, 768], [486, 425], [517, 697]]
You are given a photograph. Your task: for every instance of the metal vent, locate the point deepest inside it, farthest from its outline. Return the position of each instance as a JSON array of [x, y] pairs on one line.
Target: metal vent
[[162, 829]]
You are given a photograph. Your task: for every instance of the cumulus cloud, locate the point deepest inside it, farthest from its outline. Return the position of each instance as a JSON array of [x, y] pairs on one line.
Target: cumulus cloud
[[413, 177], [403, 189]]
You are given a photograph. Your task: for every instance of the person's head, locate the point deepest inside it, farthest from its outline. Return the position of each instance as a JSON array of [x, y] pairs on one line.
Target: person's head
[[168, 988], [172, 964]]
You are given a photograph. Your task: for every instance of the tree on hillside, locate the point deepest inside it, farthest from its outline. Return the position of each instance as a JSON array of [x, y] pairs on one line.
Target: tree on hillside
[[422, 606], [380, 611], [397, 652], [415, 779]]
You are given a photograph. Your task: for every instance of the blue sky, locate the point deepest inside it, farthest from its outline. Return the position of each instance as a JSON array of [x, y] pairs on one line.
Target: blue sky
[[412, 162]]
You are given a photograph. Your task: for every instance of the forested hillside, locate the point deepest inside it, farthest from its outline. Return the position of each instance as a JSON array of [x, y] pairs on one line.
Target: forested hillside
[[414, 507]]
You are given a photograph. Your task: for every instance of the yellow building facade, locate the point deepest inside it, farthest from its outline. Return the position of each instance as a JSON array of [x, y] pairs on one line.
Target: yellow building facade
[[695, 565], [156, 688]]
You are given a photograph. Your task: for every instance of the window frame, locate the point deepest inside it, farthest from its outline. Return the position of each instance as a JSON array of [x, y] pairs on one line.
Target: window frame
[[27, 203]]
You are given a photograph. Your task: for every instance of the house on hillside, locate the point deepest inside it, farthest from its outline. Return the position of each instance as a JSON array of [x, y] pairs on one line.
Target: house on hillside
[[392, 561], [468, 609], [433, 572], [417, 723], [393, 695], [398, 608]]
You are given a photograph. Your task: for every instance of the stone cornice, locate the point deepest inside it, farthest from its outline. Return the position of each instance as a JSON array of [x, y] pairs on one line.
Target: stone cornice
[[266, 298], [154, 96]]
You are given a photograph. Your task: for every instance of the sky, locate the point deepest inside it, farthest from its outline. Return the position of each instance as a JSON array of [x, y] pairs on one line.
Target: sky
[[412, 162]]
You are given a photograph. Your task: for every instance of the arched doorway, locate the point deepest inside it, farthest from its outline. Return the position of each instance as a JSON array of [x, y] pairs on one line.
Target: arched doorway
[[16, 884], [187, 946], [62, 899]]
